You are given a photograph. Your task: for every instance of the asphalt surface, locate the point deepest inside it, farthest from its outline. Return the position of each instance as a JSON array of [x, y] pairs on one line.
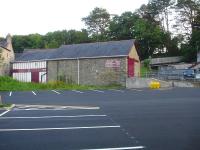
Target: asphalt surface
[[166, 119]]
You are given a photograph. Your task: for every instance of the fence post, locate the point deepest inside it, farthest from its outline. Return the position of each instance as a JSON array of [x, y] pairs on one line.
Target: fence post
[[0, 100]]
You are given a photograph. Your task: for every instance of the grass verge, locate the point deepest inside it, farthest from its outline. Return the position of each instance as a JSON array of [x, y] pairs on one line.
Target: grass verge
[[5, 105], [9, 84], [144, 71]]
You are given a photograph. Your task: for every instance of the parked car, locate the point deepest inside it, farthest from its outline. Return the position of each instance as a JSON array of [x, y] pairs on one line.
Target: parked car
[[197, 76], [189, 73]]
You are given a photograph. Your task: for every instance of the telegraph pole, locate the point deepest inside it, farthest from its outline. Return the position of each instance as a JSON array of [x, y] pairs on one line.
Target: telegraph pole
[[197, 43]]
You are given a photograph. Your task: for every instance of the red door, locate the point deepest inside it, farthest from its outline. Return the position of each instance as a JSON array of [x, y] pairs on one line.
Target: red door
[[130, 67], [35, 77]]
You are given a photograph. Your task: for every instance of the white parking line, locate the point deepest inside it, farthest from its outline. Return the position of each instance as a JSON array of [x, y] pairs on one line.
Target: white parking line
[[10, 93], [118, 148], [65, 128], [78, 116], [4, 113], [52, 107], [77, 91], [55, 91], [34, 93], [98, 91], [164, 89], [138, 90], [117, 90], [37, 109]]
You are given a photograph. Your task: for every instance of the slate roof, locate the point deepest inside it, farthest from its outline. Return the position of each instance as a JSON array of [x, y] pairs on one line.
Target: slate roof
[[36, 54], [17, 55], [86, 50], [3, 44]]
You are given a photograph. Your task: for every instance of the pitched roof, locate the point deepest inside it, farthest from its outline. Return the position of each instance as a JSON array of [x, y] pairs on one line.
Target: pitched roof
[[86, 50], [3, 44], [36, 54]]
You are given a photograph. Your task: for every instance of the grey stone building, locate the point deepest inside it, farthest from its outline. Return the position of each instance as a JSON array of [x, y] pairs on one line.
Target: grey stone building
[[100, 63], [6, 55]]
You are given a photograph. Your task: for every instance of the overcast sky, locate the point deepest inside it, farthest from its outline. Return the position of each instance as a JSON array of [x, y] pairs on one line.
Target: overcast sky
[[21, 17]]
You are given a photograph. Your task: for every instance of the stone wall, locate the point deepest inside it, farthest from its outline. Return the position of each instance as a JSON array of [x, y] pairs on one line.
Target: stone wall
[[96, 72], [4, 69], [64, 70], [99, 71], [144, 83], [6, 56]]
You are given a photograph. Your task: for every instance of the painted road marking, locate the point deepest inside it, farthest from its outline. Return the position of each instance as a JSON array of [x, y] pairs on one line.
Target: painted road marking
[[77, 91], [77, 116], [119, 148], [52, 107], [10, 93], [34, 93], [4, 113], [117, 90], [43, 109], [55, 91], [98, 91], [136, 90], [164, 89], [65, 128]]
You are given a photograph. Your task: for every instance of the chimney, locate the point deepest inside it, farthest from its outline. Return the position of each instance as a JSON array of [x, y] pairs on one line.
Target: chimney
[[9, 38]]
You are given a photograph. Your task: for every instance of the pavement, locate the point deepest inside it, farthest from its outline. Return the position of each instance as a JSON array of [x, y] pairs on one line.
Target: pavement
[[164, 119]]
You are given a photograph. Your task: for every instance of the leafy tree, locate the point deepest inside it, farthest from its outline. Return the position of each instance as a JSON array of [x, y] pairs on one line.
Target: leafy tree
[[50, 40], [191, 48], [35, 41], [121, 27], [97, 22], [161, 9], [148, 13], [74, 37], [187, 12], [150, 37]]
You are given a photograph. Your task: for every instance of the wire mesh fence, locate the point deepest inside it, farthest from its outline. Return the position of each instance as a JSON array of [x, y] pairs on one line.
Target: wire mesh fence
[[175, 74]]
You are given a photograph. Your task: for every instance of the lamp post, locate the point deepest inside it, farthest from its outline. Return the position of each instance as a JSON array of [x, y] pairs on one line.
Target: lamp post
[[196, 26], [197, 44], [1, 100]]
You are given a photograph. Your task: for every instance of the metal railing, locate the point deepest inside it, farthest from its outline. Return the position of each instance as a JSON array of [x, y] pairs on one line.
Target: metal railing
[[169, 75]]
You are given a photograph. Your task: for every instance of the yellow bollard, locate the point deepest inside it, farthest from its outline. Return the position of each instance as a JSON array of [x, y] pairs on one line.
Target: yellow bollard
[[158, 85], [154, 85]]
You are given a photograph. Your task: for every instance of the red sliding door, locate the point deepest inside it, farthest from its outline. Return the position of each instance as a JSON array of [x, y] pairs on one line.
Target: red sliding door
[[130, 67], [35, 77]]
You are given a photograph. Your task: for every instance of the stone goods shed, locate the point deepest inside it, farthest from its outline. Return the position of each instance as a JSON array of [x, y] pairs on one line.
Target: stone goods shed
[[100, 63]]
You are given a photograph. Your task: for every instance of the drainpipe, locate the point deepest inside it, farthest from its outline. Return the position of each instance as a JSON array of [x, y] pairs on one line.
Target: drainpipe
[[78, 63]]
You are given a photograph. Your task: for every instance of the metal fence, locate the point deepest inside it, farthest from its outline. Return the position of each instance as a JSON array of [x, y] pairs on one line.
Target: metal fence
[[174, 74]]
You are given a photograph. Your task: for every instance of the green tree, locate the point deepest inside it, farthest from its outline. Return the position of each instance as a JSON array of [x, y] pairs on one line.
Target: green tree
[[161, 9], [97, 22], [187, 12], [191, 48], [121, 27], [150, 36], [189, 20]]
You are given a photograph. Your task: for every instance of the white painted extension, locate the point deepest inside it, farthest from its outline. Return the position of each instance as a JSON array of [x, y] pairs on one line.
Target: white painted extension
[[30, 71]]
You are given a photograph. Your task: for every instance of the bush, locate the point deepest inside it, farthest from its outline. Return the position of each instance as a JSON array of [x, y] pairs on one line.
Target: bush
[[9, 84], [146, 63]]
